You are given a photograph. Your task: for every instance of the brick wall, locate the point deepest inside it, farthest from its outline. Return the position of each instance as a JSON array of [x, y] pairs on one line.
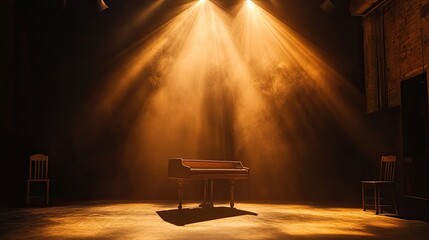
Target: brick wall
[[401, 48]]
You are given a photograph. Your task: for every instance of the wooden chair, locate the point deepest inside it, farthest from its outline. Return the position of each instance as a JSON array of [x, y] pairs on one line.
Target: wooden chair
[[38, 173], [386, 181]]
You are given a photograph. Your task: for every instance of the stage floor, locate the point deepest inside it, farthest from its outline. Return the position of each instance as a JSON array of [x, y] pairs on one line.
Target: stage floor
[[161, 220]]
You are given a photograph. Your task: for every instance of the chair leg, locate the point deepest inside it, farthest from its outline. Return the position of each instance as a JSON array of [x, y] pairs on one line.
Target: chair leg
[[376, 200], [47, 192], [394, 199], [28, 192], [363, 197]]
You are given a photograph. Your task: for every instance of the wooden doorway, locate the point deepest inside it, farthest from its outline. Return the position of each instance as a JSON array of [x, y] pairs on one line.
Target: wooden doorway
[[415, 135]]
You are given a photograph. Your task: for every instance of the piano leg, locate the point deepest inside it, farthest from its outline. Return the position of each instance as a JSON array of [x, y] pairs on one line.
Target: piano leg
[[206, 184], [232, 193], [211, 193], [207, 203], [180, 189]]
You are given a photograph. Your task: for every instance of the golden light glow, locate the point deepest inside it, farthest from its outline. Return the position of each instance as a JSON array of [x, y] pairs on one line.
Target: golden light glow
[[212, 84]]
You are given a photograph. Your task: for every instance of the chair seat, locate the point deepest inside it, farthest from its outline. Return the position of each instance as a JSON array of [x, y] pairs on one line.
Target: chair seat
[[377, 182]]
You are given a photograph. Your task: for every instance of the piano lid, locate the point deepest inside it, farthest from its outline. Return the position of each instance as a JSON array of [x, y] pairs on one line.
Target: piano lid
[[215, 169]]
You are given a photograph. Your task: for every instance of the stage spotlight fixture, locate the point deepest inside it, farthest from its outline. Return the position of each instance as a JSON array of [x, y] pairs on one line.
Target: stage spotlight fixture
[[101, 5], [327, 6]]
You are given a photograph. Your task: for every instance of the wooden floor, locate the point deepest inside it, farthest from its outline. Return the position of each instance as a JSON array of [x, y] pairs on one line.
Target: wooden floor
[[160, 220]]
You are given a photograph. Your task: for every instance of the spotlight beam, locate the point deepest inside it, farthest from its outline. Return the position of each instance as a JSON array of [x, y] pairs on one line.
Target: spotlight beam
[[207, 83]]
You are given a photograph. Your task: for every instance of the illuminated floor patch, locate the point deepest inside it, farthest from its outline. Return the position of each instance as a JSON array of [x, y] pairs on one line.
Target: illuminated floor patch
[[124, 220]]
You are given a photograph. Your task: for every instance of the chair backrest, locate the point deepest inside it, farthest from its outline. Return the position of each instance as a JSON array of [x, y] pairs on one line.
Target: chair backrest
[[387, 168], [38, 167]]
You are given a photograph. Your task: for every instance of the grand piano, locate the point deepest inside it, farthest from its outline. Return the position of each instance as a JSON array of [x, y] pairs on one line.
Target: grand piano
[[208, 170]]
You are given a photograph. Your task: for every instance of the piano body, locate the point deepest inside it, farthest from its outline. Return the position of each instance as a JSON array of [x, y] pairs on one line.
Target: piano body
[[208, 170]]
